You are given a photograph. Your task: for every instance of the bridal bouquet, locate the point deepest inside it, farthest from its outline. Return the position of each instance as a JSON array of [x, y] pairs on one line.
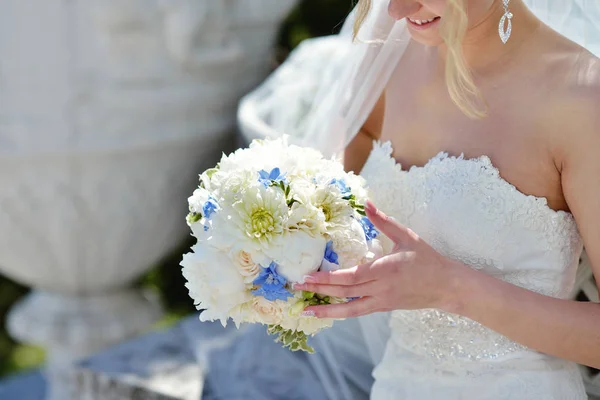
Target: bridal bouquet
[[264, 218]]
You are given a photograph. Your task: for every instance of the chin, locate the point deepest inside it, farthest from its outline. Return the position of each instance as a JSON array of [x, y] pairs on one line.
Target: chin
[[432, 38]]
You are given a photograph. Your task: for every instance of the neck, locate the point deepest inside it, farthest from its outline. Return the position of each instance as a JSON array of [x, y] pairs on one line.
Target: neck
[[482, 46]]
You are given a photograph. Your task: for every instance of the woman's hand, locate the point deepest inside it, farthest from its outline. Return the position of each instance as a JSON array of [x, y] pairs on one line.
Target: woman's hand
[[413, 276]]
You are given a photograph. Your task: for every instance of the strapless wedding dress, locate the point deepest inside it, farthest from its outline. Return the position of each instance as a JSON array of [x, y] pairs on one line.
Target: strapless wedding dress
[[468, 212]]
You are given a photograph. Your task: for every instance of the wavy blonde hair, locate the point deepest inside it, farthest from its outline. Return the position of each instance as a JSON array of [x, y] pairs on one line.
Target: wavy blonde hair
[[459, 79]]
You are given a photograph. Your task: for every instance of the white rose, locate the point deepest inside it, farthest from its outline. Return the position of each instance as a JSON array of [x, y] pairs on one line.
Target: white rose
[[268, 312], [297, 254], [214, 283], [247, 267]]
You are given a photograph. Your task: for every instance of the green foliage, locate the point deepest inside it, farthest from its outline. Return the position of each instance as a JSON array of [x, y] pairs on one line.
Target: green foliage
[[293, 340]]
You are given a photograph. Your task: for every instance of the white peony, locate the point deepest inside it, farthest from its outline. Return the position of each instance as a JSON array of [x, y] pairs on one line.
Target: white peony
[[214, 283], [350, 244], [307, 218], [297, 254]]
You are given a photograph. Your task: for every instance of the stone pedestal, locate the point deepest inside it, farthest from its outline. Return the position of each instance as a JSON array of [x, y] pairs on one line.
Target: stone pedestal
[[110, 109]]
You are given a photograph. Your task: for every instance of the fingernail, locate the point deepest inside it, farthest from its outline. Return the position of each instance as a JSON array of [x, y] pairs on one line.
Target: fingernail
[[308, 313], [308, 278], [371, 207]]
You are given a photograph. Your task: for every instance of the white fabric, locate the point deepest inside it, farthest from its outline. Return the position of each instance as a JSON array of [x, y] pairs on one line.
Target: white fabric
[[321, 96], [468, 212]]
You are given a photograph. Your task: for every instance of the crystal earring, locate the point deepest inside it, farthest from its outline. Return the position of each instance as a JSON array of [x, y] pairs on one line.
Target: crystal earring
[[505, 26]]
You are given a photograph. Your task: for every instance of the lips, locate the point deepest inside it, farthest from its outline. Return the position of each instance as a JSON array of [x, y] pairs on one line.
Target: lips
[[422, 22]]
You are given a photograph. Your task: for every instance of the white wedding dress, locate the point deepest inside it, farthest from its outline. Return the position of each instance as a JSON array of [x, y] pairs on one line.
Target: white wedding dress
[[467, 211], [462, 207]]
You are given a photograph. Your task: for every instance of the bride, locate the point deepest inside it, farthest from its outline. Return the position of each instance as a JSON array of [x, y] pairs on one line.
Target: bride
[[478, 134]]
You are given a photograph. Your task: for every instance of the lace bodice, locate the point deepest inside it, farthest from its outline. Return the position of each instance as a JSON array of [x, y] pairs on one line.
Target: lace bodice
[[467, 211]]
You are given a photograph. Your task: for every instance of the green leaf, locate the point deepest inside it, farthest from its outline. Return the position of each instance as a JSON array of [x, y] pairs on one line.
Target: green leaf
[[212, 171], [308, 295], [292, 340], [194, 217]]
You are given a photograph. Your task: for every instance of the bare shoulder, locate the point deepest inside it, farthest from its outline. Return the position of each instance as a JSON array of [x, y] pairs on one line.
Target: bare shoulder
[[573, 104]]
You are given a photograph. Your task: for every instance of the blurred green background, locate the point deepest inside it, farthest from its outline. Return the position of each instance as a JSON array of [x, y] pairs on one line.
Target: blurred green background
[[311, 18]]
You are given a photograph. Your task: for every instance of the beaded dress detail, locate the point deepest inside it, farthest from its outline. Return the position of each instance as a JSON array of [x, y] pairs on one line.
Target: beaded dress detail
[[465, 210]]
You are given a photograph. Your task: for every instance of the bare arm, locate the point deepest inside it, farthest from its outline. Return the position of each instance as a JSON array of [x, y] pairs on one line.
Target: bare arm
[[563, 328], [358, 150]]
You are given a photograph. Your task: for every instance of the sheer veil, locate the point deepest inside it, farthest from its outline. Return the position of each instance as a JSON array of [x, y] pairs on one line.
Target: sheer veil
[[335, 103], [345, 104]]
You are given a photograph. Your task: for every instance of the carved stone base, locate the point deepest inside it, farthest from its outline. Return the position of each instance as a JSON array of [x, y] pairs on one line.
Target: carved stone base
[[73, 327]]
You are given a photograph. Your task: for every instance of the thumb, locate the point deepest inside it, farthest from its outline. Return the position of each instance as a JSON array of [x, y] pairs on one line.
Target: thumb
[[397, 232]]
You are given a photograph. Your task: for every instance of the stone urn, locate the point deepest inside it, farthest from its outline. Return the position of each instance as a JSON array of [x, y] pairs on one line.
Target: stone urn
[[110, 109]]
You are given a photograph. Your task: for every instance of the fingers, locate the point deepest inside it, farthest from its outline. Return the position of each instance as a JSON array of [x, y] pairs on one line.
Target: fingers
[[390, 228], [350, 276], [356, 308], [346, 291]]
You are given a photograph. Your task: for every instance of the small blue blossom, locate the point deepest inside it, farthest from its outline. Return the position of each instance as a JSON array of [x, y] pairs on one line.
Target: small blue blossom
[[266, 178], [209, 207], [271, 284], [370, 230], [331, 255], [341, 184]]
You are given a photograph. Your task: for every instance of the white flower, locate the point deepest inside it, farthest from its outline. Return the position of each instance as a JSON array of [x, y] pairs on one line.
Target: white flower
[[246, 266], [308, 325], [297, 254], [268, 312], [375, 250], [232, 186], [197, 200], [261, 214], [214, 283], [350, 244], [311, 325], [307, 218], [328, 199], [220, 234]]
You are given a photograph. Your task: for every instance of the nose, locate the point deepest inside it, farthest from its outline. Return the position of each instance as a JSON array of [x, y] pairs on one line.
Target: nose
[[399, 9]]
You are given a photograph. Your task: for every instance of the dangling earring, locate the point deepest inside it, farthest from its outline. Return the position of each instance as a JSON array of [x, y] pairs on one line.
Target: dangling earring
[[505, 29]]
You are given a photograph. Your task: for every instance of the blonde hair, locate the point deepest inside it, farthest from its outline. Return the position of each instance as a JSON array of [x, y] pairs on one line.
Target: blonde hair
[[459, 80]]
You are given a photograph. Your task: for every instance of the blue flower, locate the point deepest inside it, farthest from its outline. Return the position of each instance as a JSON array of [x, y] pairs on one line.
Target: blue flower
[[370, 230], [209, 207], [341, 184], [271, 284], [266, 178], [331, 255]]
